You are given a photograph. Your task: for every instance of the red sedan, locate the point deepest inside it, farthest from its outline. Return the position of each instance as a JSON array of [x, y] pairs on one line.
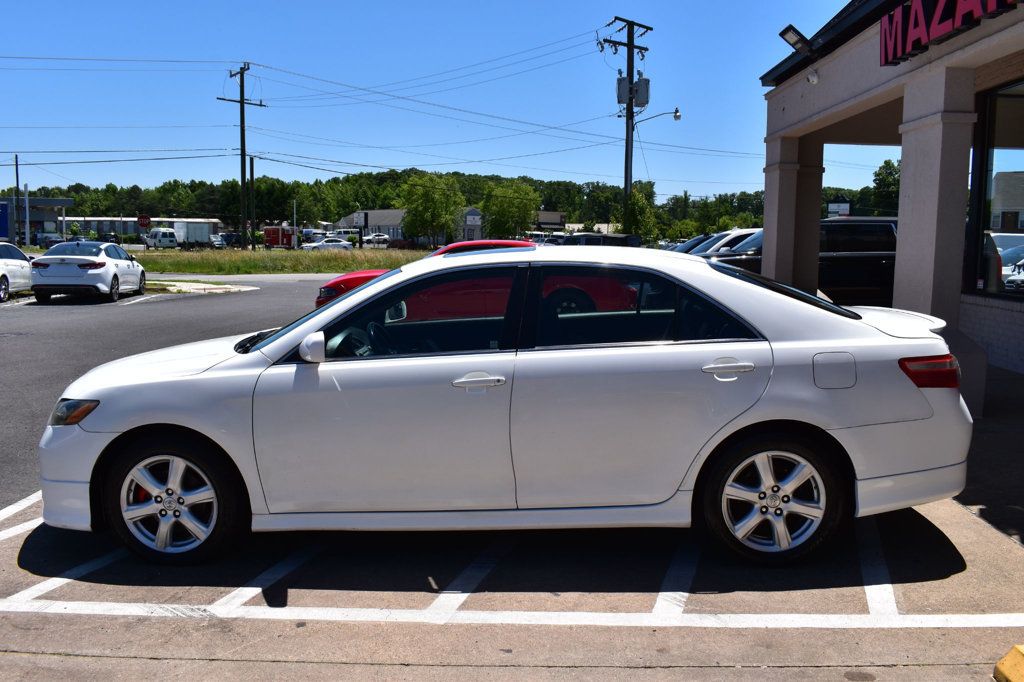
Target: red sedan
[[349, 281]]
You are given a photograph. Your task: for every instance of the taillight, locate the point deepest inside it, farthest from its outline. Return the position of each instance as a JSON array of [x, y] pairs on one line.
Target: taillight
[[92, 266], [41, 266], [938, 371]]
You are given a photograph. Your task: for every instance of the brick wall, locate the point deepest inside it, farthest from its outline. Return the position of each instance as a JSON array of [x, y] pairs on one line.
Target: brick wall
[[998, 326]]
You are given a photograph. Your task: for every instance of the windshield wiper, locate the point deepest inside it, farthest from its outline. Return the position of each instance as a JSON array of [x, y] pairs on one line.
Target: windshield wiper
[[246, 344]]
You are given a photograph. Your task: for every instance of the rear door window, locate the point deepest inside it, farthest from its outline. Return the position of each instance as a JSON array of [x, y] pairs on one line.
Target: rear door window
[[595, 305]]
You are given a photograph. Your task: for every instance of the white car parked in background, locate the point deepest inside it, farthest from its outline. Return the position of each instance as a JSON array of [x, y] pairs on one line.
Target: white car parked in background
[[14, 271], [83, 268], [328, 243], [688, 390]]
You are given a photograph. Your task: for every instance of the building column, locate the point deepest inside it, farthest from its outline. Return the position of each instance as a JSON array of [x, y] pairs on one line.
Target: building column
[[792, 211], [937, 135]]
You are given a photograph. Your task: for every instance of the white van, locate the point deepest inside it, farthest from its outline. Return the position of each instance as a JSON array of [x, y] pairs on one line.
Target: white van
[[161, 238]]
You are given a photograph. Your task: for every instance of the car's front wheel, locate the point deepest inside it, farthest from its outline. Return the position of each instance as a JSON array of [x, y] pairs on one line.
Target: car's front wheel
[[142, 284], [774, 499], [173, 500]]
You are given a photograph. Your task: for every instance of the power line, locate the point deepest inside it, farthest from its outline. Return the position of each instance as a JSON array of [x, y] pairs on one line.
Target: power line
[[103, 161], [125, 60], [58, 126], [118, 151]]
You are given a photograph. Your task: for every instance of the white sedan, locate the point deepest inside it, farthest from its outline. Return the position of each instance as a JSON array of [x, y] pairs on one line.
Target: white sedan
[[14, 271], [329, 243], [684, 390], [86, 268]]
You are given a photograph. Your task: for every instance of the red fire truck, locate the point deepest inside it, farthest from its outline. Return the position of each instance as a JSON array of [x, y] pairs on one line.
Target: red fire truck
[[281, 237]]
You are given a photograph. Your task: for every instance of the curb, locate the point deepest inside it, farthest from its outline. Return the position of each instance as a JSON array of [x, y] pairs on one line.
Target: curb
[[1010, 667]]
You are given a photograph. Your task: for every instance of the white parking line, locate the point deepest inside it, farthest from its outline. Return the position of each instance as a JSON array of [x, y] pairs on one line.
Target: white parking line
[[875, 571], [12, 509], [452, 597], [735, 621], [139, 300], [16, 303], [67, 576], [265, 579], [19, 529], [675, 587]]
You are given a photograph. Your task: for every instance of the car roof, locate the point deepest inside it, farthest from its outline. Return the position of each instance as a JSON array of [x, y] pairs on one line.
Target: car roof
[[595, 255]]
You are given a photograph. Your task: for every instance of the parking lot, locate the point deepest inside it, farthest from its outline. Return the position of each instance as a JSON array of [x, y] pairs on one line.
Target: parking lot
[[935, 588]]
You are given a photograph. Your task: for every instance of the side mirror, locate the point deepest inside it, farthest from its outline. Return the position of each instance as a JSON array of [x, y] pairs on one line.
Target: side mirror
[[314, 348], [396, 313]]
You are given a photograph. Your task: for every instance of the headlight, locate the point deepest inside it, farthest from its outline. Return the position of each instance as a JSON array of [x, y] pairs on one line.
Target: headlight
[[69, 412]]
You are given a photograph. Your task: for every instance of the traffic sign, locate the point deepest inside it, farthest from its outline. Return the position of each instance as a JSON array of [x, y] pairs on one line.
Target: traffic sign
[[143, 221]]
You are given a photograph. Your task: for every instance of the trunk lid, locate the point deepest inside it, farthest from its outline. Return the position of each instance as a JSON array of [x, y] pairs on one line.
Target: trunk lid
[[63, 266], [903, 324]]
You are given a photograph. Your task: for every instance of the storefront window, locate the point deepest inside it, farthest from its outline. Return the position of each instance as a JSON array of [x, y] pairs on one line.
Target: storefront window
[[1001, 262]]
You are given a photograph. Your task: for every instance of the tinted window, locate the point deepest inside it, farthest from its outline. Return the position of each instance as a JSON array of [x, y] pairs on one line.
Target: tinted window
[[74, 249], [733, 241], [111, 252], [460, 312], [122, 253], [6, 252], [1012, 256], [752, 243], [584, 305], [714, 239], [857, 237]]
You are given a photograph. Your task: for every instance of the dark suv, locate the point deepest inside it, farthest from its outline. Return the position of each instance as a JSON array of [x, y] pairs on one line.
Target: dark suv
[[856, 262]]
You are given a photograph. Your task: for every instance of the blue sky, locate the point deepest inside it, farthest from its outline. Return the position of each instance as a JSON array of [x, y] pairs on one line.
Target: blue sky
[[704, 58]]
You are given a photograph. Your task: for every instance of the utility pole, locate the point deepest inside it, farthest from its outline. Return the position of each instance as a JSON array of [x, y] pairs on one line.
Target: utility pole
[[242, 102], [252, 198], [628, 98], [17, 209]]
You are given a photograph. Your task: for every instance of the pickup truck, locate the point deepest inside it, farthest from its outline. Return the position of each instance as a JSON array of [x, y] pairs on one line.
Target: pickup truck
[[856, 261]]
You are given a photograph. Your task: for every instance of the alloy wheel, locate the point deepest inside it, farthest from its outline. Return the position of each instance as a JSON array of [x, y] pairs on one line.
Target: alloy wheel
[[773, 501], [168, 504], [5, 289]]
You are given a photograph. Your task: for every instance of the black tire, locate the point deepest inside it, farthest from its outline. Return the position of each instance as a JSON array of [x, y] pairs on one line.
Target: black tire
[[5, 289], [830, 484], [42, 298], [230, 520], [142, 284], [115, 290], [567, 301]]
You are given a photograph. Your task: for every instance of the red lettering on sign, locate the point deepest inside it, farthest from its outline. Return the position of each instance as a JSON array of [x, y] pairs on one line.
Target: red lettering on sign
[[940, 28], [892, 36], [965, 7], [917, 29]]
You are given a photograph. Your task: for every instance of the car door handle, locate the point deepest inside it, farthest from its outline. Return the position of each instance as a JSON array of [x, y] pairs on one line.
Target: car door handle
[[728, 368], [478, 380]]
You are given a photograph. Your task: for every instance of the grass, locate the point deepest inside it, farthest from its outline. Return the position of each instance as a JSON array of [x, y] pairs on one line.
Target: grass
[[270, 262]]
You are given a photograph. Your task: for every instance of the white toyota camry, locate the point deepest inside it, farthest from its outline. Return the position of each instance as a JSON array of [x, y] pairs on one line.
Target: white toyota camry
[[521, 388], [86, 268]]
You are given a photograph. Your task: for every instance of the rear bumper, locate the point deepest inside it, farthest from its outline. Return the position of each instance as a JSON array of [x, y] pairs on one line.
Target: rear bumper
[[888, 493], [71, 289]]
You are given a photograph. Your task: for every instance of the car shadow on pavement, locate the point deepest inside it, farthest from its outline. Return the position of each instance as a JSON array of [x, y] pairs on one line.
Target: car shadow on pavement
[[626, 566]]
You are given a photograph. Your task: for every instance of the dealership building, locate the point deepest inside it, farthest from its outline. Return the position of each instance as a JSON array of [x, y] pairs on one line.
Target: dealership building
[[944, 80]]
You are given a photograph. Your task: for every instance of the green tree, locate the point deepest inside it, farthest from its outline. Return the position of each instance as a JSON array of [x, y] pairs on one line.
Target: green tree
[[432, 204], [640, 219], [509, 208], [886, 195]]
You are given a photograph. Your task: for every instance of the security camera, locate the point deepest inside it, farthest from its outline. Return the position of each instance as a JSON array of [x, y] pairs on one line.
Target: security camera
[[812, 77]]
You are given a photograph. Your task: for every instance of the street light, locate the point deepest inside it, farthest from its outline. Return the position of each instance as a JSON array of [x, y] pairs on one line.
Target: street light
[[796, 39], [627, 188]]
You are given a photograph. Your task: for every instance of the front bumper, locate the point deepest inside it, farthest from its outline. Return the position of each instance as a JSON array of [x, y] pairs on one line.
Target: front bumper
[[67, 456]]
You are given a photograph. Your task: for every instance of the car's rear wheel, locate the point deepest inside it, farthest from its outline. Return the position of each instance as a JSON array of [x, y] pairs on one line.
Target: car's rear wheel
[[774, 499], [42, 298], [115, 290], [173, 501], [5, 289]]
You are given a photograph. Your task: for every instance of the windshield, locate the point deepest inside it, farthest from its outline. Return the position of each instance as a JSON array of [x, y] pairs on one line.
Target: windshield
[[714, 239], [785, 290], [1013, 256], [74, 249], [689, 244], [751, 243], [308, 316]]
